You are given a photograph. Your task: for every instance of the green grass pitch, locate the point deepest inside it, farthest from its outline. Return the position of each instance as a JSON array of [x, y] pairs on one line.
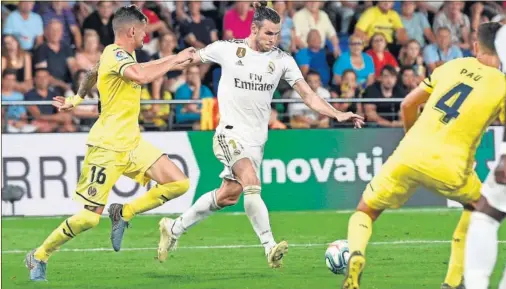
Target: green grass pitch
[[410, 249]]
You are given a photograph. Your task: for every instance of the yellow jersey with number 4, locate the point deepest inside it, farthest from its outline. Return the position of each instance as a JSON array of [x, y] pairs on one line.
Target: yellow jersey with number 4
[[117, 127], [466, 96]]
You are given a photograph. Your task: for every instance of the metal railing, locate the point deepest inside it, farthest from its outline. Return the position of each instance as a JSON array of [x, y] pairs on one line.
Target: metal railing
[[190, 101]]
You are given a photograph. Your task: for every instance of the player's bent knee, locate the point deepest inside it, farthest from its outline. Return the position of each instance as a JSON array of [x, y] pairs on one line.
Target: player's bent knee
[[83, 221], [171, 190]]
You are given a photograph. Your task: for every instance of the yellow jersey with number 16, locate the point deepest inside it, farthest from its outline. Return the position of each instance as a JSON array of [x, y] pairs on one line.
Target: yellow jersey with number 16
[[466, 96], [117, 127]]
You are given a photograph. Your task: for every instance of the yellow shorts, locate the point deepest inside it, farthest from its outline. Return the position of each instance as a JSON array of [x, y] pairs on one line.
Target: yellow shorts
[[102, 169], [397, 182]]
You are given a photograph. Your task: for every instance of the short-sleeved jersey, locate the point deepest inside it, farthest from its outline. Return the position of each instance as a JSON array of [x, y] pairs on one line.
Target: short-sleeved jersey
[[466, 96], [117, 127], [248, 81], [374, 20]]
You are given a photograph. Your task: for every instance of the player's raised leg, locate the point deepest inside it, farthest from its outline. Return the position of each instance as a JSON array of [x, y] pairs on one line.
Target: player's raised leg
[[171, 183]]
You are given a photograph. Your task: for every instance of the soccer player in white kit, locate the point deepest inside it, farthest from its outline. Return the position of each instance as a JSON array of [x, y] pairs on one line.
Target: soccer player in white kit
[[481, 243], [251, 70]]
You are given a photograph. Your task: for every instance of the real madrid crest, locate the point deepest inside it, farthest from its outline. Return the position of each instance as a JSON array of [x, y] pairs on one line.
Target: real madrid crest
[[271, 67], [241, 52]]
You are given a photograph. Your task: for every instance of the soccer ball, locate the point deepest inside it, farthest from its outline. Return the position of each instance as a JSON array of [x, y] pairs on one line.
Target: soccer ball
[[337, 255]]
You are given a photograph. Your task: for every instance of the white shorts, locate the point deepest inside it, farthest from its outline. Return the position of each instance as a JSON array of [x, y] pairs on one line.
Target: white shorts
[[228, 150], [495, 193]]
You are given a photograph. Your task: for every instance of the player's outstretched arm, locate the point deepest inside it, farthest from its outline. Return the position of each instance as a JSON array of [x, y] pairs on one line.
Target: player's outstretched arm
[[90, 79], [410, 105], [144, 73], [318, 104]]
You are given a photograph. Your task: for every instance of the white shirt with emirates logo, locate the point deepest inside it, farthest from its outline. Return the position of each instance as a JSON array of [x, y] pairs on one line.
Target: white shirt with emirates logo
[[248, 81]]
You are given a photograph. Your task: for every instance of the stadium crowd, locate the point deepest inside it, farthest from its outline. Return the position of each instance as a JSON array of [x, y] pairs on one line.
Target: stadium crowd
[[345, 49]]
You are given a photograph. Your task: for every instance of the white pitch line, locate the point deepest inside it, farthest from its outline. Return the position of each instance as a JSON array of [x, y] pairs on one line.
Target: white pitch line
[[405, 242], [324, 212]]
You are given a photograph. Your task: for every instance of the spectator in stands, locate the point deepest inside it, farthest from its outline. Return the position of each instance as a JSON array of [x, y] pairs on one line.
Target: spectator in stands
[[60, 11], [25, 25], [346, 11], [314, 57], [416, 23], [192, 89], [16, 115], [81, 11], [56, 56], [173, 79], [46, 118], [86, 114], [382, 18], [154, 25], [311, 17], [411, 56], [15, 58], [380, 55], [347, 89], [429, 8], [287, 33], [442, 51], [101, 22], [90, 54], [385, 114], [356, 60], [302, 116], [408, 79], [457, 22], [237, 21], [198, 31]]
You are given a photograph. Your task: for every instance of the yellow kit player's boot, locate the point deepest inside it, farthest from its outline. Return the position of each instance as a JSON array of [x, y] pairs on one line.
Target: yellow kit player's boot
[[460, 286], [168, 242], [356, 265], [276, 254]]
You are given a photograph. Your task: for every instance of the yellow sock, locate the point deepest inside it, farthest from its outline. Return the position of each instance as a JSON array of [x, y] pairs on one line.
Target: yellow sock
[[67, 230], [359, 232], [154, 198], [456, 264]]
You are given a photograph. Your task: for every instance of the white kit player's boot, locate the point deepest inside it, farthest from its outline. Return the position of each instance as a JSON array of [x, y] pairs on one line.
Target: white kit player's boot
[[276, 254], [168, 242]]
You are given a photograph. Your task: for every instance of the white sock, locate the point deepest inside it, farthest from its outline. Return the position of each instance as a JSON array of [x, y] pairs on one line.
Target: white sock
[[258, 215], [203, 208], [502, 285], [481, 250]]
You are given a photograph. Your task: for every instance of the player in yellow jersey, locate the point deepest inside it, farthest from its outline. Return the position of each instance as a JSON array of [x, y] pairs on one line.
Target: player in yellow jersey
[[115, 145], [462, 98]]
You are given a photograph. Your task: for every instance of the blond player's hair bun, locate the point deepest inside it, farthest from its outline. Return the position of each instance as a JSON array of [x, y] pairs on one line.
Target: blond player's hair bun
[[258, 4]]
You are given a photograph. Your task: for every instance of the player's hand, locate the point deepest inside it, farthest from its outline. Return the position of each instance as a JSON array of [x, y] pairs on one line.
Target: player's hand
[[357, 120], [59, 103], [186, 55], [500, 171]]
